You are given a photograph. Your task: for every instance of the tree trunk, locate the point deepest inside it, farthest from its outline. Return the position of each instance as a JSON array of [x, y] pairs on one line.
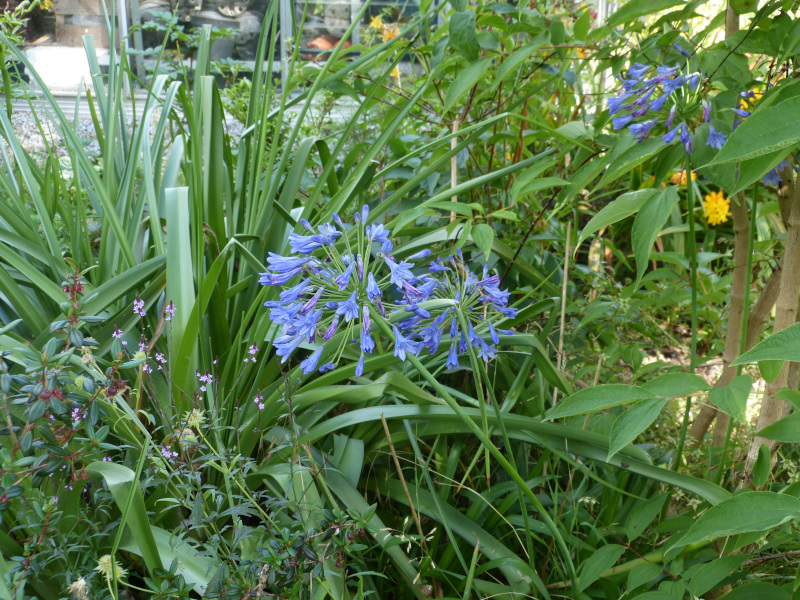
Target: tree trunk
[[756, 320], [786, 306]]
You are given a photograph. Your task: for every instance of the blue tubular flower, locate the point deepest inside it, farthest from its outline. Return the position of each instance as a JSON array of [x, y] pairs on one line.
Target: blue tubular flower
[[331, 329], [617, 104], [680, 49], [399, 272], [657, 104], [310, 364], [438, 267], [671, 116], [287, 344], [421, 254], [327, 234], [343, 279], [304, 244], [486, 352], [493, 334], [403, 345], [669, 137], [293, 293], [360, 366], [283, 264], [367, 343], [621, 122], [741, 113], [715, 138], [348, 308], [306, 225], [640, 130], [452, 356], [706, 111], [330, 366], [377, 233], [686, 139], [775, 176], [373, 291], [638, 70], [308, 306]]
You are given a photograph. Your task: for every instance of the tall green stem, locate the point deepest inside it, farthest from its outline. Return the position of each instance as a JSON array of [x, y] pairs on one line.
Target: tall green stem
[[487, 442], [676, 465]]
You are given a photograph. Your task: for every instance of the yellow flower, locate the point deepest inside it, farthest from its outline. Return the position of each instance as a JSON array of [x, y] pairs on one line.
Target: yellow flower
[[681, 177], [390, 32], [716, 208], [376, 22], [396, 73]]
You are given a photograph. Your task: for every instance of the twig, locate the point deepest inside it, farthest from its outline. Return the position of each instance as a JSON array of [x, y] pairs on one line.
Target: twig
[[414, 514]]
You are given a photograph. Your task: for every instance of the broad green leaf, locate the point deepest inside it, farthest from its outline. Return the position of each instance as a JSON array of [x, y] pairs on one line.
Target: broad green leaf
[[632, 422], [765, 131], [732, 398], [762, 466], [643, 573], [642, 515], [581, 28], [783, 345], [197, 569], [630, 11], [542, 183], [670, 385], [647, 225], [709, 575], [464, 82], [598, 563], [127, 493], [616, 210], [631, 158], [597, 398], [462, 35], [770, 369], [483, 236], [787, 430], [743, 513], [758, 590]]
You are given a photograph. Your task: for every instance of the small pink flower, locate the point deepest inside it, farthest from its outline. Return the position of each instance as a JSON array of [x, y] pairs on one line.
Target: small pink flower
[[169, 311]]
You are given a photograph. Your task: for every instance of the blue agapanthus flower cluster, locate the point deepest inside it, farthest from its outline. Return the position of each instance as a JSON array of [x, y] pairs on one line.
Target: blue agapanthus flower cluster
[[478, 299], [339, 279], [643, 101]]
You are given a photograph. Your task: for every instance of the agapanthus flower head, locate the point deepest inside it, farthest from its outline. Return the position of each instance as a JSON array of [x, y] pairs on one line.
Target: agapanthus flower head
[[332, 286], [645, 97], [716, 208], [479, 300]]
